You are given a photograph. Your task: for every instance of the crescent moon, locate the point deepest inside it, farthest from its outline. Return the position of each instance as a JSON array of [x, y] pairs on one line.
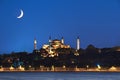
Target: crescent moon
[[21, 14]]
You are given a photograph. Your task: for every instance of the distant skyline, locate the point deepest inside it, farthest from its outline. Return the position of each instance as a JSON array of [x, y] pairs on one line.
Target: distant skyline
[[96, 22]]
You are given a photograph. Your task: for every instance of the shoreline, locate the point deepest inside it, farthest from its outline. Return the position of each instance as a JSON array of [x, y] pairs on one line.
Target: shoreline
[[57, 71]]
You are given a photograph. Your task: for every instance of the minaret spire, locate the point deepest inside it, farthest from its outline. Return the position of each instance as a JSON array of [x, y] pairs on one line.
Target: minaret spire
[[50, 44], [62, 40], [35, 44], [78, 43], [50, 39]]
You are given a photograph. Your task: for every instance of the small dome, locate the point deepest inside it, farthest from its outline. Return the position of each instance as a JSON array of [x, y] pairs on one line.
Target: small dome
[[56, 40]]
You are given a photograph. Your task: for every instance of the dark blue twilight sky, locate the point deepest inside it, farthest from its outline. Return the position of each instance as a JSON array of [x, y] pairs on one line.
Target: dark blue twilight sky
[[96, 22]]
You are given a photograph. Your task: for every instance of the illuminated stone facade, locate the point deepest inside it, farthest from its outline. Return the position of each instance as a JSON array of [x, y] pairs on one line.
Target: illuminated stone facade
[[53, 45]]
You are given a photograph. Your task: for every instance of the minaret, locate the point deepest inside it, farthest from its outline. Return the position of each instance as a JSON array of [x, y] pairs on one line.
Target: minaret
[[50, 40], [50, 44], [78, 43], [35, 44], [62, 40]]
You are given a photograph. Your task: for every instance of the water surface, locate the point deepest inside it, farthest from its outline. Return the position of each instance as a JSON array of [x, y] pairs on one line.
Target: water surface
[[59, 76]]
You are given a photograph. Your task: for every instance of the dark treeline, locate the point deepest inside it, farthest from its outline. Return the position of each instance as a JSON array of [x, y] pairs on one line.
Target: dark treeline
[[92, 56]]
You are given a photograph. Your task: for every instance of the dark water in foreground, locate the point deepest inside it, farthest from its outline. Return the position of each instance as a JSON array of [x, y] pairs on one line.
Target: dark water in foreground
[[59, 76]]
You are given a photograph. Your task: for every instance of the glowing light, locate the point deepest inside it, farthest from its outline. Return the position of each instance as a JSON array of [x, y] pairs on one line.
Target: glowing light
[[11, 68], [98, 66], [64, 66], [113, 68], [87, 66], [35, 42], [21, 68], [53, 68]]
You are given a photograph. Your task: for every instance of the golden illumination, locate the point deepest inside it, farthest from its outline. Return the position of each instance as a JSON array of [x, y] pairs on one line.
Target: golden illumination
[[64, 66], [53, 45], [21, 68], [52, 68], [113, 68], [98, 66], [11, 68]]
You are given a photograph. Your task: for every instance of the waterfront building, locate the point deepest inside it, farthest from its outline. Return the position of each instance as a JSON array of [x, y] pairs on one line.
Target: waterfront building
[[51, 49], [53, 45]]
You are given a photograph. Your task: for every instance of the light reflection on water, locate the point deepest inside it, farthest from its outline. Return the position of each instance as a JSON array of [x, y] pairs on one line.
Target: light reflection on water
[[59, 76]]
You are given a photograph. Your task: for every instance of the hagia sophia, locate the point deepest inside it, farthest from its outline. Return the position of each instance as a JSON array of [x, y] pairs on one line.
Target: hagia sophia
[[56, 55], [55, 44]]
